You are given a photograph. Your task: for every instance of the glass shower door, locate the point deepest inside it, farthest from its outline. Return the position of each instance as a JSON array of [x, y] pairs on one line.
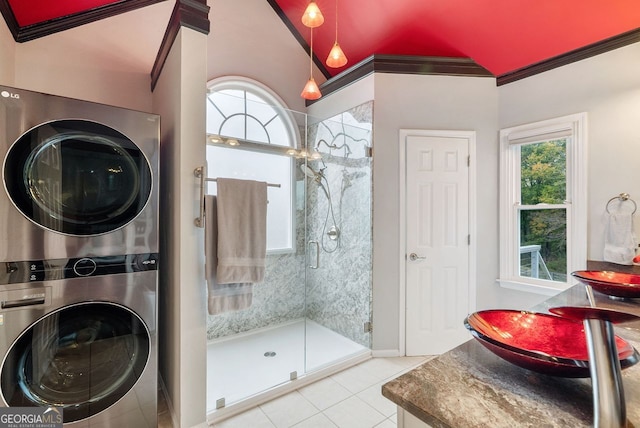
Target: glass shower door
[[338, 233]]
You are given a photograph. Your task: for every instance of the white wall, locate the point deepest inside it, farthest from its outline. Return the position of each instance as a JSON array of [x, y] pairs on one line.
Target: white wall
[[7, 56], [249, 39], [179, 98], [607, 87], [346, 98], [107, 61], [439, 103]]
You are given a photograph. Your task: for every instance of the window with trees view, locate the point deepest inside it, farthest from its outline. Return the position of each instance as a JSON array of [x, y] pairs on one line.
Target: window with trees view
[[543, 202]]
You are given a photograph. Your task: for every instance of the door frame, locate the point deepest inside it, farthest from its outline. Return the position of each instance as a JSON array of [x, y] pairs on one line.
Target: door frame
[[470, 136]]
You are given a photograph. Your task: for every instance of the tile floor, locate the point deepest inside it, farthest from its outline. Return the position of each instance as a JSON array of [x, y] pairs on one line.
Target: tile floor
[[348, 399]]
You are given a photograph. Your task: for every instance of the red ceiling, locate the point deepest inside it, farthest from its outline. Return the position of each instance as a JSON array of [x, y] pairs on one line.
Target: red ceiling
[[500, 35], [29, 12]]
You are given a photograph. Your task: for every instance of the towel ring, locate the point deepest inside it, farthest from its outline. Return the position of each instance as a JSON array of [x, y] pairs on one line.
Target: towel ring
[[622, 197]]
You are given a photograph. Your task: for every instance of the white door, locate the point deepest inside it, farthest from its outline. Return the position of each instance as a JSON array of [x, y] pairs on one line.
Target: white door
[[438, 288]]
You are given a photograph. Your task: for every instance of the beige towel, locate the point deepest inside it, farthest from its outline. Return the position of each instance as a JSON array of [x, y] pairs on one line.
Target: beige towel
[[242, 230], [221, 297]]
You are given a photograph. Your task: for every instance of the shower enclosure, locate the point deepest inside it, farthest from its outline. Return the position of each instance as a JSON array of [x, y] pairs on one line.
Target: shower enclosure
[[311, 314]]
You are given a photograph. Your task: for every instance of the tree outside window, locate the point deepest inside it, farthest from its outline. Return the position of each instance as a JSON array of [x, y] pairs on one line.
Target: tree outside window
[[543, 230], [543, 219]]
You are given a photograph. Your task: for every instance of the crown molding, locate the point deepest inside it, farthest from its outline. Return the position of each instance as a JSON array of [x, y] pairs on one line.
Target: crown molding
[[422, 65], [575, 55], [193, 14], [34, 31]]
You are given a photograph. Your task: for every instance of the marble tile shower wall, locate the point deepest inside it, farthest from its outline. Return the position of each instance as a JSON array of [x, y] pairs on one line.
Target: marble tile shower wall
[[338, 293]]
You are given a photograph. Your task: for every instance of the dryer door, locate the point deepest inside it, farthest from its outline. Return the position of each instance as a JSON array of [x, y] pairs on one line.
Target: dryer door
[[84, 357], [77, 177]]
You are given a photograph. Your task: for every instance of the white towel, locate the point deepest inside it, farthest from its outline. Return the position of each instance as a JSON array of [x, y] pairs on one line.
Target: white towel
[[620, 240], [242, 230], [221, 297]]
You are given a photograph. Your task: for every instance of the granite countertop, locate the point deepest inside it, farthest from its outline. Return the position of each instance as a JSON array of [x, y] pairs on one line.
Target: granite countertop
[[469, 386]]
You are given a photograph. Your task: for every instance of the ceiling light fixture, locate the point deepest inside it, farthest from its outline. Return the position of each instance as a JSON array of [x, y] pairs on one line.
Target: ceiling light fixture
[[336, 57], [311, 90], [312, 17]]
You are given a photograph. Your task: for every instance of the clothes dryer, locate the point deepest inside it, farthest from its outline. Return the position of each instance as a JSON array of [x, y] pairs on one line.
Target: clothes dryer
[[80, 334], [80, 178]]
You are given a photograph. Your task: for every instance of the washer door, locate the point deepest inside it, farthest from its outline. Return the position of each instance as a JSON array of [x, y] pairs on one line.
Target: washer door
[[83, 357], [77, 177]]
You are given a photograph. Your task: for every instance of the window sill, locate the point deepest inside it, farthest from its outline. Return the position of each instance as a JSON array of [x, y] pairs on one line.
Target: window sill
[[532, 288]]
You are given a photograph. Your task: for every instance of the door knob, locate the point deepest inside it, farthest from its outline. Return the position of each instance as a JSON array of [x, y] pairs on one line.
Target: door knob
[[413, 257]]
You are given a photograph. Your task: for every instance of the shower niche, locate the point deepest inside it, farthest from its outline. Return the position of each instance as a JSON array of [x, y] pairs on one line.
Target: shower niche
[[311, 314]]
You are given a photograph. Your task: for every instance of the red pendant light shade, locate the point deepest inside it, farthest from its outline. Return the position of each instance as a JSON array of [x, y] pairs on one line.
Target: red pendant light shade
[[312, 16], [336, 57], [311, 90]]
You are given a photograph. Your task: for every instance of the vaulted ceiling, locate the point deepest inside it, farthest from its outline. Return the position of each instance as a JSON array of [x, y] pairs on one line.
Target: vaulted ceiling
[[502, 36]]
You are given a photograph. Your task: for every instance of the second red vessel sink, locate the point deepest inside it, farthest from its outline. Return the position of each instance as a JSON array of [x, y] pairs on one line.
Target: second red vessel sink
[[616, 284], [540, 342]]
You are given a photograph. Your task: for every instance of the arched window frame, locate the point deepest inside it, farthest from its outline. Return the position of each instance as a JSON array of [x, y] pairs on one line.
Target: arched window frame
[[269, 98], [266, 147]]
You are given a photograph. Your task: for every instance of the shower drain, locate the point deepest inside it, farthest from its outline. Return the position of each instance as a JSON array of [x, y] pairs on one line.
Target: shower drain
[[270, 354]]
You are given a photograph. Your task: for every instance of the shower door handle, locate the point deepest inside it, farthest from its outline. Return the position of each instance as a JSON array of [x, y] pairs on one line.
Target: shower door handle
[[317, 253]]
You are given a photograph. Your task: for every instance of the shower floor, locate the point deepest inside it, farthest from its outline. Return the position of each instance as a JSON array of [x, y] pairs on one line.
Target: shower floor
[[248, 364]]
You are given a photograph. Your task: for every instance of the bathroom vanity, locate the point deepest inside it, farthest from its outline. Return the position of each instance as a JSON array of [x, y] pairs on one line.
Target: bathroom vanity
[[470, 386]]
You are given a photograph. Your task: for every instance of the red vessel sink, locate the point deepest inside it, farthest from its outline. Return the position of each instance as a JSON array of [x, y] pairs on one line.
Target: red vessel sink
[[540, 342], [616, 284]]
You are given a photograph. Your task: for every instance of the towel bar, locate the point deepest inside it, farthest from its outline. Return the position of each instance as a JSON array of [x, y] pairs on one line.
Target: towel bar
[[622, 197], [200, 172]]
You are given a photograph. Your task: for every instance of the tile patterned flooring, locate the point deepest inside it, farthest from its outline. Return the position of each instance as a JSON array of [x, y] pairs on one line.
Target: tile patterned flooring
[[349, 399]]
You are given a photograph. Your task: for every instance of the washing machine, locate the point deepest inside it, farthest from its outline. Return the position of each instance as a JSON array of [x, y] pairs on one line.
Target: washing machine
[[81, 337], [78, 259]]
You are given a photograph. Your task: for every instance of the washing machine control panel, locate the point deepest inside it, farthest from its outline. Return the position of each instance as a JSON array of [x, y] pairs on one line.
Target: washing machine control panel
[[48, 270]]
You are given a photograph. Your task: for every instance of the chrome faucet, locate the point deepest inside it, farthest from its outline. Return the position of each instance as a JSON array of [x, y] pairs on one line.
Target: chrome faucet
[[609, 409]]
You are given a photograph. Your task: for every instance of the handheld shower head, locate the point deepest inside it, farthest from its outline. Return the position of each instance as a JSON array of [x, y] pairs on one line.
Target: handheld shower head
[[317, 176], [309, 172]]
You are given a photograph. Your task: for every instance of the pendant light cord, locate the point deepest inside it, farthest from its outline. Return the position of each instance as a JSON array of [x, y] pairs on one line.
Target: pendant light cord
[[336, 21], [311, 56]]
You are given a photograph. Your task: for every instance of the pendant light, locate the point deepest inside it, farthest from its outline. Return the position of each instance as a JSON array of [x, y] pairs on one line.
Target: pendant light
[[312, 16], [311, 90], [336, 57]]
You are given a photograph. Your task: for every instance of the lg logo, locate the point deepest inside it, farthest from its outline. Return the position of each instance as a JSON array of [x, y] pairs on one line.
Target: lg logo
[[6, 94]]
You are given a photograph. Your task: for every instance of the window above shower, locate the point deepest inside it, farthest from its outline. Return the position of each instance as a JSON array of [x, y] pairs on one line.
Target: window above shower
[[251, 136]]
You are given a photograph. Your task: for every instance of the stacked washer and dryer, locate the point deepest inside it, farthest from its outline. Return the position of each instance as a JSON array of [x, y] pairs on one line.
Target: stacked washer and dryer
[[78, 259]]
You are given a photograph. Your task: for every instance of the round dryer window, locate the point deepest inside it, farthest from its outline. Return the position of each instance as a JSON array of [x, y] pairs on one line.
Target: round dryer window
[[83, 357], [77, 177]]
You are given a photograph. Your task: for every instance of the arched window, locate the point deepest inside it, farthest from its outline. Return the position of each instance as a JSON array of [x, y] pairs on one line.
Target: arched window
[[251, 135]]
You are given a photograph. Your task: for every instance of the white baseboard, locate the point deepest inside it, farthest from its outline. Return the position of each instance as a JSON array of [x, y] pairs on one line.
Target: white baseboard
[[386, 353], [172, 413]]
